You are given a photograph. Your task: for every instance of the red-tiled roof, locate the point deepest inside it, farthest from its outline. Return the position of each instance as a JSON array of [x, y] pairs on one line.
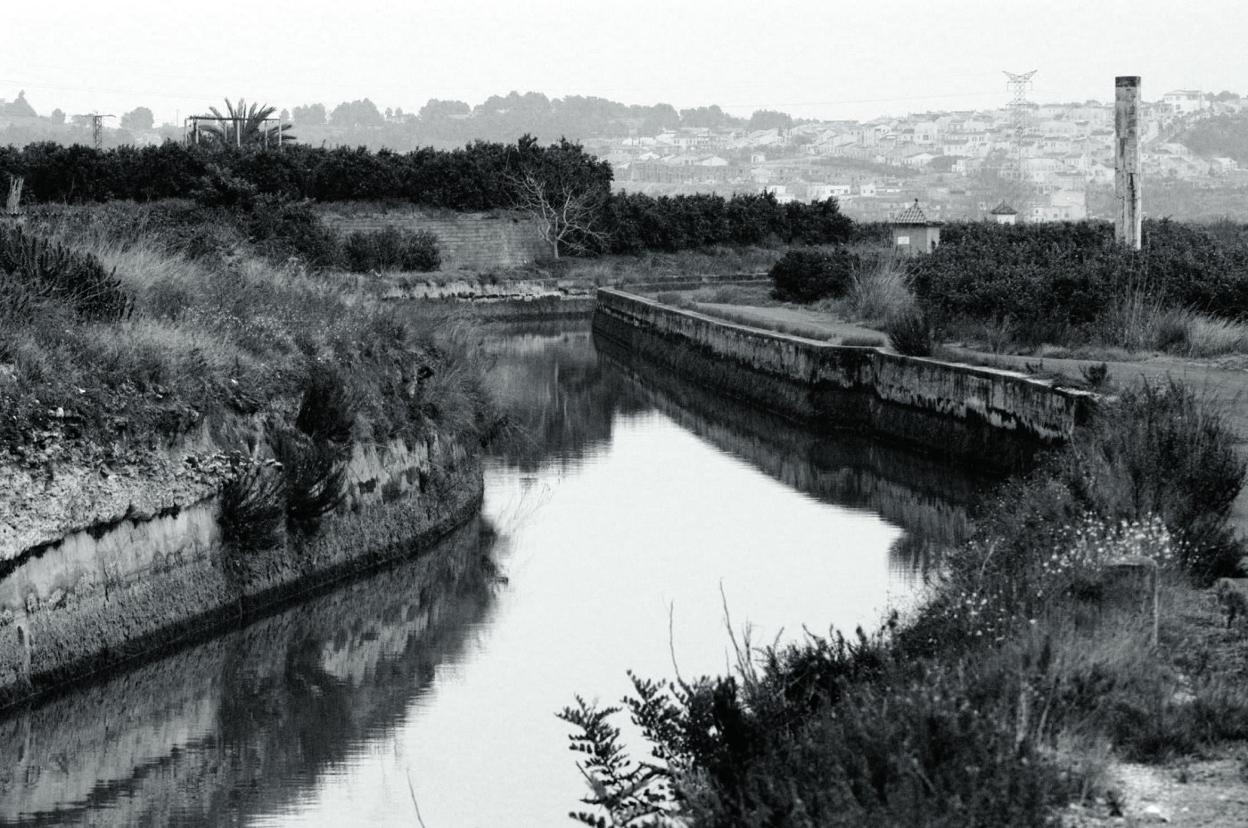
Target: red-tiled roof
[[913, 215], [1004, 209]]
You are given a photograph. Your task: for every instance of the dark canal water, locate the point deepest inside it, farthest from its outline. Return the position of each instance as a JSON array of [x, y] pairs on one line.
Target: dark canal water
[[627, 500]]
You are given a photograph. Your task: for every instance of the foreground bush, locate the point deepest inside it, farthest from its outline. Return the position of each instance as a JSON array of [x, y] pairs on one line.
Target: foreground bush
[[35, 269], [391, 249], [1030, 640], [809, 275]]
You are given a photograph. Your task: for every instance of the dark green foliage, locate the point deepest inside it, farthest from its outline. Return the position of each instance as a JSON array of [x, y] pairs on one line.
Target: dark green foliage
[[635, 222], [253, 509], [391, 249], [831, 734], [809, 275], [631, 793], [221, 188], [315, 477], [282, 229], [475, 177], [327, 410], [1053, 281], [34, 268], [910, 333]]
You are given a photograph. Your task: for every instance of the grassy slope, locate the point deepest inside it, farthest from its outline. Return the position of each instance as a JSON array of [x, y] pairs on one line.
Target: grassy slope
[[215, 341]]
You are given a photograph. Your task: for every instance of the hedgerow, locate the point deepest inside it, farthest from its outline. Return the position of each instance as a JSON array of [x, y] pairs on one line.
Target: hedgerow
[[635, 222], [475, 177], [1055, 281], [260, 183]]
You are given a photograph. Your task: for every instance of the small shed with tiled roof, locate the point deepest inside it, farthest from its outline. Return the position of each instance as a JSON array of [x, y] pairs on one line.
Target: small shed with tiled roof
[[914, 233], [1004, 214]]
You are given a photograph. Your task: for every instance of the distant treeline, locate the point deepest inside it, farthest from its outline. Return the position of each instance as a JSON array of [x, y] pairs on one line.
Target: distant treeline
[[479, 176], [475, 177], [506, 117]]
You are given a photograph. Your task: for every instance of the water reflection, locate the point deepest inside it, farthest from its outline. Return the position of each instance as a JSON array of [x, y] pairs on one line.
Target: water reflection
[[250, 720], [561, 399], [629, 496], [566, 391]]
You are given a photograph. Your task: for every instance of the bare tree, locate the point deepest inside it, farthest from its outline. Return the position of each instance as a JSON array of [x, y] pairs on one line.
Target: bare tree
[[567, 215]]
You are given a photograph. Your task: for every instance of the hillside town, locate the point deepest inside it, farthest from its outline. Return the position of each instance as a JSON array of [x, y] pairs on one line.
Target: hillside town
[[1038, 161], [1044, 162]]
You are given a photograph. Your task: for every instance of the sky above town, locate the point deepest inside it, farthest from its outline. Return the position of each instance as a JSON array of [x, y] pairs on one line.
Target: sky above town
[[815, 58]]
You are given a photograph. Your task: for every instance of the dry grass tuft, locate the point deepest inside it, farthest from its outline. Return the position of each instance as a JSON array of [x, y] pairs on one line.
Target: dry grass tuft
[[880, 290]]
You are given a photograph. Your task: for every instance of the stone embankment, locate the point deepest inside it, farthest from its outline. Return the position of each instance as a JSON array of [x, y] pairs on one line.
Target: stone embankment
[[96, 569], [996, 418]]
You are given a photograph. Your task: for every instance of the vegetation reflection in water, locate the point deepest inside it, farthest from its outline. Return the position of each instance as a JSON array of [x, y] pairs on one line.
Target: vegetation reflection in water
[[622, 496]]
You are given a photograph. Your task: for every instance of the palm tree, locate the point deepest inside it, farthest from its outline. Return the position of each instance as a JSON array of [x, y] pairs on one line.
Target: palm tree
[[243, 126]]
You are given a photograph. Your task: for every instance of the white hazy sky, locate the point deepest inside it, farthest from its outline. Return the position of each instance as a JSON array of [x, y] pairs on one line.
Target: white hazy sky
[[813, 58]]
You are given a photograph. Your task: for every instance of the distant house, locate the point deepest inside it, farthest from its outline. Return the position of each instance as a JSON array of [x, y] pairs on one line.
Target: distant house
[[914, 234], [820, 192], [1184, 101], [1004, 214], [918, 160]]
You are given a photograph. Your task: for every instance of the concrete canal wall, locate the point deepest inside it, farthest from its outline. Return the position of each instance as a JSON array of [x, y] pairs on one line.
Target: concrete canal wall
[[110, 588], [994, 417]]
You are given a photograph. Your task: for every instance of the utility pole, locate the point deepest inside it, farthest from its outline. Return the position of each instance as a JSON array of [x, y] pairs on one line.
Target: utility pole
[[1128, 171]]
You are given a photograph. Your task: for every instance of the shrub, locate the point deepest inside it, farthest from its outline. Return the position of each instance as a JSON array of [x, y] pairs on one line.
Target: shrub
[[315, 476], [391, 249], [1164, 450], [220, 188], [327, 409], [253, 509], [35, 267], [910, 334], [827, 734], [862, 342], [809, 275], [282, 229], [880, 290]]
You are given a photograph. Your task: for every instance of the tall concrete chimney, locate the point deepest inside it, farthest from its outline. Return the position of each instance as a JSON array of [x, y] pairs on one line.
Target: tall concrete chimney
[[1128, 174]]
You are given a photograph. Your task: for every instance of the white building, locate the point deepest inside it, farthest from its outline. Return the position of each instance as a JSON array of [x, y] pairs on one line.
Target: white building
[[1184, 101]]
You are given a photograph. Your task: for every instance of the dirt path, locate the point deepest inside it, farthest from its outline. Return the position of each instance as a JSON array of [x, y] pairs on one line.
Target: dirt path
[[1209, 792]]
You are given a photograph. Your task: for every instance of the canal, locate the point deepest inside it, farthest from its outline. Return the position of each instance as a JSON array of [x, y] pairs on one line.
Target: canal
[[624, 512]]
